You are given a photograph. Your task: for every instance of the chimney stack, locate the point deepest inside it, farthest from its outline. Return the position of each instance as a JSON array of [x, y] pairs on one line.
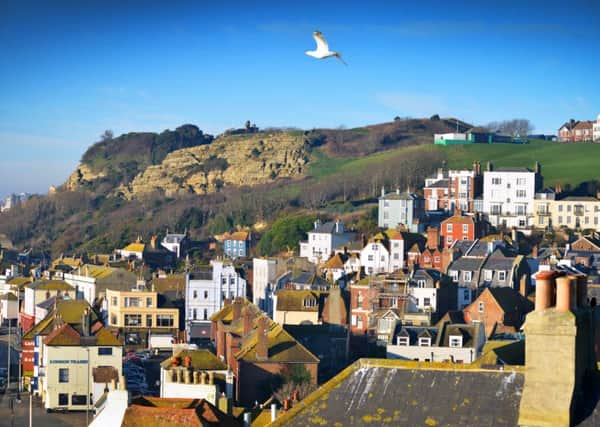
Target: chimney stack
[[433, 237], [262, 344], [273, 412], [237, 309], [153, 242], [544, 289], [246, 321], [566, 293]]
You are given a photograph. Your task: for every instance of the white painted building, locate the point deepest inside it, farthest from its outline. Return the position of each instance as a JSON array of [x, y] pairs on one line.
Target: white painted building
[[596, 129], [111, 411], [175, 243], [205, 294], [323, 239], [264, 274], [381, 256], [508, 196], [9, 307]]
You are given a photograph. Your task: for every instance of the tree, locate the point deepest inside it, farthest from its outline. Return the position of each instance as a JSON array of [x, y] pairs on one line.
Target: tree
[[285, 234], [107, 135], [514, 127], [435, 117]]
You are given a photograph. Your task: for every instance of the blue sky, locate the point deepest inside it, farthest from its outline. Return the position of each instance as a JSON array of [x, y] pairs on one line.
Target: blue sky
[[71, 69]]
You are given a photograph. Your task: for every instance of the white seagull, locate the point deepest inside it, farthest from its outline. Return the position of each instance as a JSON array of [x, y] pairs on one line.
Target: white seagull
[[322, 50]]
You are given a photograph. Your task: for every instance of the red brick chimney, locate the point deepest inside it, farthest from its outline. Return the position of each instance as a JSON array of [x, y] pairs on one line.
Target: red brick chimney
[[237, 309], [247, 321], [433, 237], [220, 339], [262, 340]]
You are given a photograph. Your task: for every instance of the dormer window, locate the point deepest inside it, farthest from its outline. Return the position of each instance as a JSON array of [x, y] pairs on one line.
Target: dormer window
[[456, 341], [467, 276], [425, 342], [454, 275], [402, 341], [421, 283], [502, 275]]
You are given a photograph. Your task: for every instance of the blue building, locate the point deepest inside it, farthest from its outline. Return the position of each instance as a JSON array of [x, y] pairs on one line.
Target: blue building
[[237, 245]]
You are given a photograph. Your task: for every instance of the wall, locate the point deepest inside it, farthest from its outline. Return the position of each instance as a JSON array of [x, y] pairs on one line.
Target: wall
[[76, 360], [169, 388], [296, 317], [440, 354]]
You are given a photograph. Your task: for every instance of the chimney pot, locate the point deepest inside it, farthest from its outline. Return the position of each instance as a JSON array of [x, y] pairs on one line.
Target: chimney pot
[[544, 287], [273, 412], [565, 293]]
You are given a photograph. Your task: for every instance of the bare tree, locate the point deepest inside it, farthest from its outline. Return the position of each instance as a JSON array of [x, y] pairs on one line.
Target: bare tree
[[514, 127]]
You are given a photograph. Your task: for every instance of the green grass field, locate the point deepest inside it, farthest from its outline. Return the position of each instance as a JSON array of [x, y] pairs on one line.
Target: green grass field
[[561, 163]]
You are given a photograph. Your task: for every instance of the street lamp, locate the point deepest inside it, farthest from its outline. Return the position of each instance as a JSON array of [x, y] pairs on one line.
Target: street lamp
[[87, 398]]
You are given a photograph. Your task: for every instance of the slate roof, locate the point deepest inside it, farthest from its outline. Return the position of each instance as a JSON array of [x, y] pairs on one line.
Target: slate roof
[[442, 183], [306, 278], [326, 227], [497, 261], [510, 300], [376, 393], [402, 196], [512, 169]]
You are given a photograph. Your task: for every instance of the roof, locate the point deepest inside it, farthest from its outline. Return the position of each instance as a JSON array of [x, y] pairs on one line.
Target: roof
[[49, 303], [442, 183], [9, 296], [400, 196], [503, 352], [201, 360], [459, 219], [510, 300], [334, 262], [307, 278], [393, 392], [95, 271], [511, 169], [173, 282], [105, 374], [19, 281], [293, 300], [160, 412], [134, 247], [66, 335], [238, 235], [579, 199], [51, 285]]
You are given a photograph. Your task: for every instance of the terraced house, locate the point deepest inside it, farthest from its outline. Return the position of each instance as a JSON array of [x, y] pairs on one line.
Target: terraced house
[[578, 213], [39, 291]]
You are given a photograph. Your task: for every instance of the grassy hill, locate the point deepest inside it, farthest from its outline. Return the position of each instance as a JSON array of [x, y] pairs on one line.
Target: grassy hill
[[561, 163]]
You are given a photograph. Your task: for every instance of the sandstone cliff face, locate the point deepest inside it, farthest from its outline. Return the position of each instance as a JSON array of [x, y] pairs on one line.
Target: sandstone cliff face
[[81, 176], [232, 160]]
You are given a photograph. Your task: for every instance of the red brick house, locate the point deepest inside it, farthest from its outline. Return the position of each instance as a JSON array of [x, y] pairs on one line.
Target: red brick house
[[452, 189], [431, 257], [460, 227], [500, 309], [575, 131], [258, 350]]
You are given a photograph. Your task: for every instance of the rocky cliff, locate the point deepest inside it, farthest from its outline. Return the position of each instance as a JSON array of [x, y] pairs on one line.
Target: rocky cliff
[[229, 160]]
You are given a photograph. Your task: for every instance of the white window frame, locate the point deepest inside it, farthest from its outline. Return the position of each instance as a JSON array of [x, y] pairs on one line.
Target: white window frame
[[424, 342]]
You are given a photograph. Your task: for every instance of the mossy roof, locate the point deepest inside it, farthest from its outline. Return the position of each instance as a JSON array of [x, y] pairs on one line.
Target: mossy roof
[[134, 247], [9, 296], [20, 281], [335, 261], [70, 311], [51, 285], [66, 335], [293, 300], [282, 347], [161, 412], [201, 360], [96, 271]]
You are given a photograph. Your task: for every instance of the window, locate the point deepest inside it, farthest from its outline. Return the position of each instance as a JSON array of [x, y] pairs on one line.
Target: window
[[465, 228], [232, 280], [370, 257], [195, 295], [502, 275], [63, 399], [449, 239], [63, 375], [133, 320], [205, 294], [114, 301], [421, 283], [164, 320], [425, 342], [402, 341], [148, 301], [521, 194], [105, 351], [467, 276], [520, 181], [427, 302], [374, 247], [560, 208], [488, 274], [496, 181], [436, 259], [455, 341], [359, 322], [194, 314], [466, 294], [113, 319], [449, 228], [79, 399], [454, 275], [382, 258], [132, 302], [568, 219], [396, 255], [481, 306], [359, 300], [205, 314], [396, 244], [568, 208], [496, 209], [560, 220], [309, 302], [148, 320]]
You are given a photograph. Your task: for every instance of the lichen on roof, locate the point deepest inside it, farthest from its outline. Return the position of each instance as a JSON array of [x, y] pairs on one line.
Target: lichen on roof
[[134, 247], [51, 285], [201, 360], [293, 300]]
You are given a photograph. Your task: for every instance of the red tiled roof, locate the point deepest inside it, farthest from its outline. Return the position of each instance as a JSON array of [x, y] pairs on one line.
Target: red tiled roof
[[63, 335]]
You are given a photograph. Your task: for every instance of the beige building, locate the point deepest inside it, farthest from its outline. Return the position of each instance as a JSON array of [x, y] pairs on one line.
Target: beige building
[[297, 307], [70, 358], [570, 212], [136, 314]]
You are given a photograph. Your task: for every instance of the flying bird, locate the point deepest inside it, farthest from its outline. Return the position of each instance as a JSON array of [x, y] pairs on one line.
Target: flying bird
[[322, 50]]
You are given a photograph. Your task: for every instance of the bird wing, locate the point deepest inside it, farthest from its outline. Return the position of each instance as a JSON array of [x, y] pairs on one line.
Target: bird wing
[[322, 45], [338, 56]]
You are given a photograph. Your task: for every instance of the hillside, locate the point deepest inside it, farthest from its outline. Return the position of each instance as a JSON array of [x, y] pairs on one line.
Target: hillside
[[255, 178], [116, 161]]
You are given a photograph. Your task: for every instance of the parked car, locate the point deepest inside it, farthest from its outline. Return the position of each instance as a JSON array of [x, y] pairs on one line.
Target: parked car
[[2, 385]]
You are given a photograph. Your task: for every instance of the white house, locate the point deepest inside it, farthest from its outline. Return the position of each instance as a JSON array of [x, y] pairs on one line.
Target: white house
[[206, 292], [9, 307], [596, 129], [264, 274], [175, 243], [384, 253], [508, 196], [323, 239]]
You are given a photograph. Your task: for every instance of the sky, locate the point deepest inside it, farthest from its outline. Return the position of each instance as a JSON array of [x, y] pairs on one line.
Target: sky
[[71, 69]]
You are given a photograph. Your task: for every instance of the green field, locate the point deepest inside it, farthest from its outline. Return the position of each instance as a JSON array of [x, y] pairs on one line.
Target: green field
[[571, 163]]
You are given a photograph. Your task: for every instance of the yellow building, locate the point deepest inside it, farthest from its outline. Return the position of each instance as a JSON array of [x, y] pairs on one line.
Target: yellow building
[[297, 307], [136, 314], [571, 212]]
